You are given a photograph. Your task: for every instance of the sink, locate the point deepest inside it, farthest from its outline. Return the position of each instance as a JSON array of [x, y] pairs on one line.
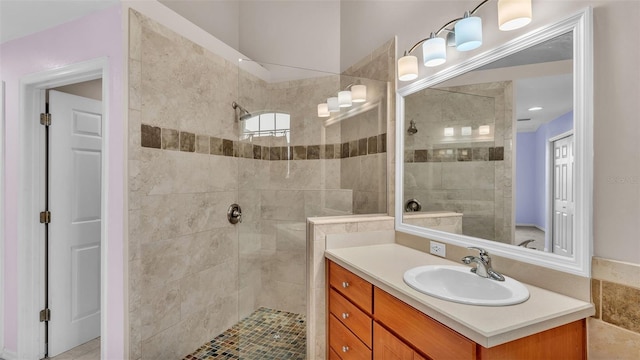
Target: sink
[[459, 284]]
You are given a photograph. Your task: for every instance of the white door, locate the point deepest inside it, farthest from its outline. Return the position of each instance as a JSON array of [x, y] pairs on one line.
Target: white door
[[563, 202], [74, 231]]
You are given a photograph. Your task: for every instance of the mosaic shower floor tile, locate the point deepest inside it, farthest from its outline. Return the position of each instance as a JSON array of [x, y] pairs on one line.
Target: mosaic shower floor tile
[[265, 334]]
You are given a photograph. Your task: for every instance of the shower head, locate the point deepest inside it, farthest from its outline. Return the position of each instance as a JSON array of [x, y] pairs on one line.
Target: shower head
[[412, 128], [244, 114]]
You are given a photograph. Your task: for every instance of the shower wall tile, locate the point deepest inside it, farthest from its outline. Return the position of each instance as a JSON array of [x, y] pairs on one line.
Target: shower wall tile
[[170, 139], [187, 141], [202, 144], [150, 136], [160, 308]]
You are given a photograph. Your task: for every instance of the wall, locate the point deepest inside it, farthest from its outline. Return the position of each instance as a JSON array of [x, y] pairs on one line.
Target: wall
[[93, 36], [531, 170]]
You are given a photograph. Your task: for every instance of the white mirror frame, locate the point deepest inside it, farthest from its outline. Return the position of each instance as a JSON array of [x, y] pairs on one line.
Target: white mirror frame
[[580, 263]]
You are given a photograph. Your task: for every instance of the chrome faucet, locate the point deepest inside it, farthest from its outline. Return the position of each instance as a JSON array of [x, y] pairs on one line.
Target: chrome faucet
[[483, 264], [526, 243]]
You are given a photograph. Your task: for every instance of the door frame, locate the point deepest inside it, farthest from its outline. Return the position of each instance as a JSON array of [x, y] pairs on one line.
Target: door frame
[[549, 188], [2, 222], [31, 200]]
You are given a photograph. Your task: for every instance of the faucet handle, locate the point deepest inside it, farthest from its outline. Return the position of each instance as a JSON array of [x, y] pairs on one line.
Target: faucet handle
[[482, 251]]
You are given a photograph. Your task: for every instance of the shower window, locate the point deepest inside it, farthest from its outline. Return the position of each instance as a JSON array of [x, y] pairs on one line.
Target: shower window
[[267, 124]]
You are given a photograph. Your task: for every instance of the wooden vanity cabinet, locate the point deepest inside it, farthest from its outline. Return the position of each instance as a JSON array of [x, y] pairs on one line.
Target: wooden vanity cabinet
[[350, 308], [391, 329]]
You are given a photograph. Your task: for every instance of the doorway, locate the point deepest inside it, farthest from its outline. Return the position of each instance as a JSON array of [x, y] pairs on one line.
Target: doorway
[[72, 195], [77, 195]]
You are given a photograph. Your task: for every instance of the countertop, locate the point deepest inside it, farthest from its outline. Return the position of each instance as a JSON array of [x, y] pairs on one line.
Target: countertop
[[384, 267]]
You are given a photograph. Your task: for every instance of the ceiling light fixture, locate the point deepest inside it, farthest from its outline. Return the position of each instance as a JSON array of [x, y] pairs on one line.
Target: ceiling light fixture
[[535, 108], [466, 34]]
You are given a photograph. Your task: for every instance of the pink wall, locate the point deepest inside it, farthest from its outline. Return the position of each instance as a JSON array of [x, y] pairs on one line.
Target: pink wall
[[96, 35]]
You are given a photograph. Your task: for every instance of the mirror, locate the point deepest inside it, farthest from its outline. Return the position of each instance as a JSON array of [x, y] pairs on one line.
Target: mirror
[[497, 151]]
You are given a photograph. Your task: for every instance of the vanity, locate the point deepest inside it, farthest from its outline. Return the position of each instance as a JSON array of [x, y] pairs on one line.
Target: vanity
[[373, 314]]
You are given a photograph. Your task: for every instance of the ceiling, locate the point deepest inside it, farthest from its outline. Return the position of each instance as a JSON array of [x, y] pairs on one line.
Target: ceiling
[[20, 18]]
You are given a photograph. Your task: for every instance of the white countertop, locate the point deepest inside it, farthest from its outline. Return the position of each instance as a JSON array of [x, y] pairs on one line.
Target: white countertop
[[384, 267]]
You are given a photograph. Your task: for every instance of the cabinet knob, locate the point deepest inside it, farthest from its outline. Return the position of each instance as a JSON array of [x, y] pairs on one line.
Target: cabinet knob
[[345, 284], [345, 348], [345, 315]]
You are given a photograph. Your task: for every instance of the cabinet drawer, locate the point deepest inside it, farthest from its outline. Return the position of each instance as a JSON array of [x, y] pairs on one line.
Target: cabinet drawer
[[351, 286], [355, 319], [344, 343], [333, 355], [425, 334]]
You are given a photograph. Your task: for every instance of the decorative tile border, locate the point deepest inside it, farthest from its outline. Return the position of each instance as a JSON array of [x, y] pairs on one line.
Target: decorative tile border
[[454, 154], [170, 139]]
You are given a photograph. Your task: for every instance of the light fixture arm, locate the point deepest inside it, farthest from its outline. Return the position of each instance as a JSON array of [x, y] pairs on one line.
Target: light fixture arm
[[444, 27]]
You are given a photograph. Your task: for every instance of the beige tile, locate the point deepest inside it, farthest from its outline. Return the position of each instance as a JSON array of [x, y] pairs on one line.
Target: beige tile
[[611, 342], [620, 306], [616, 271]]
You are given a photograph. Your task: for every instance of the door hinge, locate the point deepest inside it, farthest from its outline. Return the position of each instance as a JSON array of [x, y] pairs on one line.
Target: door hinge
[[45, 217], [45, 315], [45, 119]]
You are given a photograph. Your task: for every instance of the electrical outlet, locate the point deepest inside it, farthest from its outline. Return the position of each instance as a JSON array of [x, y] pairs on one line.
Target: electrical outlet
[[438, 249]]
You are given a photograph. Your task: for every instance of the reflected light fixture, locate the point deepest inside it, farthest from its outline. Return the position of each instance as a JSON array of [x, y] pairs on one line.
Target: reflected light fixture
[[353, 93], [323, 110], [513, 14], [333, 104], [358, 93], [466, 33], [344, 98]]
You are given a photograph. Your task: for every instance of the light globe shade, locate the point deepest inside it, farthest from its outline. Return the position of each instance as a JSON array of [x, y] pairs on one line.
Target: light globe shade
[[323, 110], [434, 52], [468, 33], [333, 104], [359, 93], [344, 98], [407, 68], [513, 14]]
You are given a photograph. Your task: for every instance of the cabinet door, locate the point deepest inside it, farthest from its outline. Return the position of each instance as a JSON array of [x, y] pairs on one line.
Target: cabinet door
[[388, 347]]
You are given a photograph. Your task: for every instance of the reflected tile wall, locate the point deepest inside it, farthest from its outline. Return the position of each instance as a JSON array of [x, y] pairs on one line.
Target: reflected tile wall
[[445, 174]]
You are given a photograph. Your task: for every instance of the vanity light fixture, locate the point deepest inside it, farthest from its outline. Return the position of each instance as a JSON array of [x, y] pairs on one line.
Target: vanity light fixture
[[484, 130], [448, 131], [466, 34], [513, 14], [465, 131]]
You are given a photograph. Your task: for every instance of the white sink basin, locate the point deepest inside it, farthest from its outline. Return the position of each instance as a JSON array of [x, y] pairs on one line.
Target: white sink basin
[[459, 284]]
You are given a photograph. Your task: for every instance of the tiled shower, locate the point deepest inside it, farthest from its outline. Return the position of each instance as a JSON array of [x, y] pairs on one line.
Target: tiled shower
[[193, 276]]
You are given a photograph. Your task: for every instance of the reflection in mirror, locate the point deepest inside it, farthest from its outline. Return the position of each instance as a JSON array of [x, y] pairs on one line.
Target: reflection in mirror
[[462, 167], [492, 160]]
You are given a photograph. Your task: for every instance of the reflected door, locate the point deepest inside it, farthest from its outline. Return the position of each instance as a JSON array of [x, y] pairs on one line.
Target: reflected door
[[563, 201]]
